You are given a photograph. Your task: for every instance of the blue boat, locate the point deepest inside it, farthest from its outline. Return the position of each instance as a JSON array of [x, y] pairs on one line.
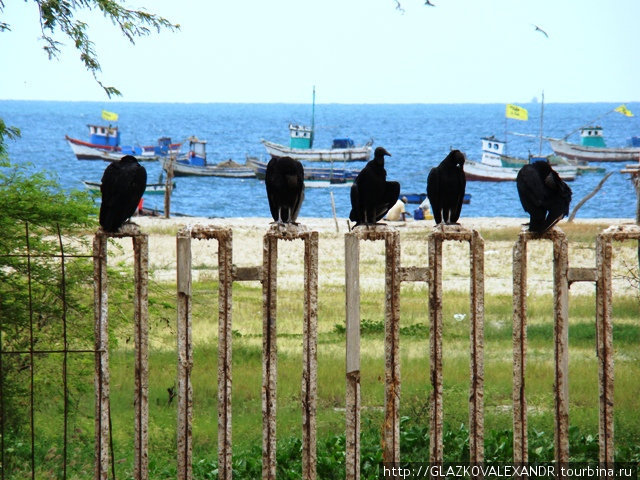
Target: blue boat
[[326, 175]]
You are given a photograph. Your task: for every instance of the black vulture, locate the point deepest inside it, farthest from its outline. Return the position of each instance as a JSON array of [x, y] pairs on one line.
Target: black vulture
[[285, 188], [123, 184], [445, 188], [371, 195], [543, 194]]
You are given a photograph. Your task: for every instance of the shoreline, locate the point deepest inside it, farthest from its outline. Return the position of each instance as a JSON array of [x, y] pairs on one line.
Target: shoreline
[[247, 245]]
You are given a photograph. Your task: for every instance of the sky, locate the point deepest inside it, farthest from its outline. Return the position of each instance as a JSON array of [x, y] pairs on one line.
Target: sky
[[353, 51]]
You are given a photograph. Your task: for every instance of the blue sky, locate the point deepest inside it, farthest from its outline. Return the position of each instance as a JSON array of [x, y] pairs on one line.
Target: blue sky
[[353, 51]]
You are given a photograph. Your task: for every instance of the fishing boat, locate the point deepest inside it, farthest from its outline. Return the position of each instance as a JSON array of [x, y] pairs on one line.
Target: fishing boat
[[194, 163], [496, 166], [592, 148], [313, 176], [104, 144], [151, 188], [301, 145]]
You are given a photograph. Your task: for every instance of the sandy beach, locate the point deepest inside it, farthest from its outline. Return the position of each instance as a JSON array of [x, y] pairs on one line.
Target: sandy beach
[[247, 251]]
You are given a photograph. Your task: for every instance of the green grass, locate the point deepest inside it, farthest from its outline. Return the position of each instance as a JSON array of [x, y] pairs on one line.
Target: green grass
[[414, 346]]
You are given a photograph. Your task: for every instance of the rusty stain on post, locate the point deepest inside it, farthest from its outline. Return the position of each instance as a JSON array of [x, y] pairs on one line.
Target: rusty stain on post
[[223, 236], [269, 347], [476, 387], [352, 410], [520, 440], [561, 343], [101, 336], [393, 276], [476, 339], [391, 437], [604, 331], [141, 325], [141, 369]]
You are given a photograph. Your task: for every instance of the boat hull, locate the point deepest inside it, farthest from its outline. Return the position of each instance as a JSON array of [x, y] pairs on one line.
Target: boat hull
[[594, 154], [184, 170], [327, 176], [151, 188], [355, 154], [93, 151], [476, 171]]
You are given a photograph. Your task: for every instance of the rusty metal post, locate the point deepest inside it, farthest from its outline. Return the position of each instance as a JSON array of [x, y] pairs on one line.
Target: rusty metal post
[[101, 336], [309, 391], [561, 343], [604, 331], [520, 439], [352, 400], [476, 359], [185, 355], [435, 348], [141, 325], [269, 348], [393, 277], [141, 332], [391, 438], [185, 349], [476, 339]]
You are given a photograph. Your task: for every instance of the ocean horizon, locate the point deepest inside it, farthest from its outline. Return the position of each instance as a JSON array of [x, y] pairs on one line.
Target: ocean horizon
[[418, 136]]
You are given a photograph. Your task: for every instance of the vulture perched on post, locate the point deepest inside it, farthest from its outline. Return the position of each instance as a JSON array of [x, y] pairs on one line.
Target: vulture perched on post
[[123, 184], [371, 195]]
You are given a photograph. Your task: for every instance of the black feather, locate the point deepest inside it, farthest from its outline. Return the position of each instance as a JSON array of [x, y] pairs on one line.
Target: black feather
[[543, 195], [446, 185], [285, 188], [123, 184], [371, 195]]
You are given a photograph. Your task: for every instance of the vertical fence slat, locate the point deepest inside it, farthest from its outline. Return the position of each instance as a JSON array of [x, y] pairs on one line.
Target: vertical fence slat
[[520, 441], [185, 356], [352, 411], [435, 347], [141, 322], [101, 377], [391, 436], [269, 356], [309, 389], [476, 386], [225, 332], [561, 345]]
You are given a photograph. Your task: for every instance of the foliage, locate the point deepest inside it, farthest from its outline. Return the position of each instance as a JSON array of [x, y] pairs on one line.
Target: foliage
[[31, 306], [57, 17]]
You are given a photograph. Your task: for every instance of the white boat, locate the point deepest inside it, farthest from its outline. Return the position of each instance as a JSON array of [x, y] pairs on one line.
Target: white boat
[[151, 188], [592, 148], [301, 145], [492, 166], [348, 154], [194, 163]]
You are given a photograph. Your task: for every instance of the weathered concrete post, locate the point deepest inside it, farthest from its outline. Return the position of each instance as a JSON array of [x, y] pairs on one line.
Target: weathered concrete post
[[223, 236], [476, 339], [393, 277], [269, 347], [141, 333], [561, 343], [604, 331]]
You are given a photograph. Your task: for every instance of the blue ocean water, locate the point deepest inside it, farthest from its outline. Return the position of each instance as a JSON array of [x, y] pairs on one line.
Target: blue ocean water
[[418, 136]]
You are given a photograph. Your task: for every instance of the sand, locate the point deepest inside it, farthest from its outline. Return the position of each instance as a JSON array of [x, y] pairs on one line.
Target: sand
[[247, 251]]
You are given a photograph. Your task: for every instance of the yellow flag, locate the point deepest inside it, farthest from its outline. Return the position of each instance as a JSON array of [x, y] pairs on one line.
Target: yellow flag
[[109, 116], [624, 111], [514, 111]]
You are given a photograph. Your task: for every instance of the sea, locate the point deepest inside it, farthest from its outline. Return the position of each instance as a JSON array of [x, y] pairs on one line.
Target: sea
[[418, 136]]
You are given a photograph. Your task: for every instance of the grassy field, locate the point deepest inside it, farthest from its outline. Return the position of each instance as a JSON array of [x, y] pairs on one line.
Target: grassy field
[[414, 343]]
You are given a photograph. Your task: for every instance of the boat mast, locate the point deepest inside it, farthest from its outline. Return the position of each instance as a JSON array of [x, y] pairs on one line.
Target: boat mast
[[313, 116], [541, 123]]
